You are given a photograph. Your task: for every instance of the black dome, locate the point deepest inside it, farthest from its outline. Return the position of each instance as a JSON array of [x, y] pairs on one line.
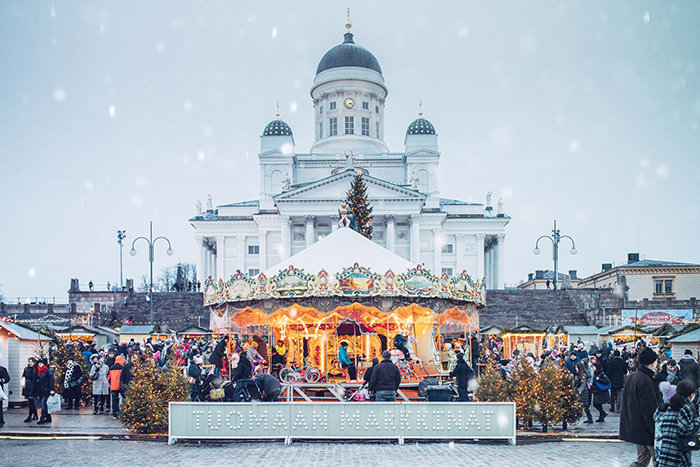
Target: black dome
[[277, 128], [420, 126], [348, 54]]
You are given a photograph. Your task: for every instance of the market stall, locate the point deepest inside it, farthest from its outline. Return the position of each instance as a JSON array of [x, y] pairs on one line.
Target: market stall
[[523, 338], [313, 312]]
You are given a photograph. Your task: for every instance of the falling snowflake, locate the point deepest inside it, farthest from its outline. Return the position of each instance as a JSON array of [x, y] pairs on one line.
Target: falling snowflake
[[59, 94], [274, 32], [188, 106], [293, 107], [201, 156], [112, 111], [573, 145], [160, 47], [646, 17], [662, 171], [89, 185], [463, 32]]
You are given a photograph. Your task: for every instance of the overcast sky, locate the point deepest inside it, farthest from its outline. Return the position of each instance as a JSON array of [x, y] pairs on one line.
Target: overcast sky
[[116, 113]]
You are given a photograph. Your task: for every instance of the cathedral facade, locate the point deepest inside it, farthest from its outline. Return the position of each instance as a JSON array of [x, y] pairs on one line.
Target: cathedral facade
[[301, 193]]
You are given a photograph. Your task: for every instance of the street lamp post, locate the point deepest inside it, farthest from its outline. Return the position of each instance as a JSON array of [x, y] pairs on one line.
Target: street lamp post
[[121, 235], [151, 241], [555, 238]]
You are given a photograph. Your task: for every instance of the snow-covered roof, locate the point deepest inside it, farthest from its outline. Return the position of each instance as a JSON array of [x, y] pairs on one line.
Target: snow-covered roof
[[342, 249], [22, 332]]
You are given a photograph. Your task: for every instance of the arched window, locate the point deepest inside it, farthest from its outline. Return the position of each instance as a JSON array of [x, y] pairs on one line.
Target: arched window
[[276, 178], [423, 181]]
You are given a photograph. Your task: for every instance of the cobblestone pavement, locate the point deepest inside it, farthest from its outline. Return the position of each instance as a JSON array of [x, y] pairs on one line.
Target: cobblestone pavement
[[80, 421], [65, 452]]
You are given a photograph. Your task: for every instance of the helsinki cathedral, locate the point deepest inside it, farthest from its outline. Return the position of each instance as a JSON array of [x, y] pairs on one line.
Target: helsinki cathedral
[[301, 193]]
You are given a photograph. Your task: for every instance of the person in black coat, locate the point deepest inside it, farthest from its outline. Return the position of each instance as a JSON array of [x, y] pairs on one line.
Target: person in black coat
[[4, 379], [194, 373], [72, 382], [642, 397], [30, 376], [243, 373], [217, 356], [600, 390], [368, 374], [386, 379], [270, 387], [463, 373], [616, 371], [670, 372], [690, 368], [44, 389]]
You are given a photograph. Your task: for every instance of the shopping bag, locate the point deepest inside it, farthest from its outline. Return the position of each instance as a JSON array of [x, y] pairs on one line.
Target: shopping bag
[[3, 396], [53, 403]]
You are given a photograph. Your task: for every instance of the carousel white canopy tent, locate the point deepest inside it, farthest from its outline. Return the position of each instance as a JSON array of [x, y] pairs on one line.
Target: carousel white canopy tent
[[342, 249]]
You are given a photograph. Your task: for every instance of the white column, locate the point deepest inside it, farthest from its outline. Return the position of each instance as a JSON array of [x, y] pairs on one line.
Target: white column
[[492, 266], [200, 259], [489, 268], [437, 252], [310, 231], [335, 218], [212, 264], [262, 238], [460, 239], [391, 232], [220, 255], [414, 221], [480, 256], [286, 244], [501, 266], [240, 252]]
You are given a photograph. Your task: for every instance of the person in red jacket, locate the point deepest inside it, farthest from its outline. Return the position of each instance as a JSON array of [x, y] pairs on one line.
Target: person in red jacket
[[114, 378]]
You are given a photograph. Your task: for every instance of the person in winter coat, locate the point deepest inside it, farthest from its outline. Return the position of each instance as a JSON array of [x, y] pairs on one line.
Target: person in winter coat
[[100, 386], [600, 389], [72, 383], [243, 373], [690, 368], [386, 379], [616, 371], [463, 373], [678, 418], [4, 379], [670, 372], [368, 374], [582, 386], [44, 389], [114, 378], [29, 392], [641, 398], [194, 374], [218, 354], [270, 387], [571, 363]]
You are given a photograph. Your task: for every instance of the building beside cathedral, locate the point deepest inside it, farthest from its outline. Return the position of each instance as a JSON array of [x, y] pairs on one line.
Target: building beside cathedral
[[301, 193]]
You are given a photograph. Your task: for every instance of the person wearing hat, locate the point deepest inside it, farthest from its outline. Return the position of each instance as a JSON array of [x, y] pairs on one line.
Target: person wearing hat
[[670, 372], [673, 420], [386, 379], [345, 361], [642, 397], [72, 382], [581, 353], [690, 368]]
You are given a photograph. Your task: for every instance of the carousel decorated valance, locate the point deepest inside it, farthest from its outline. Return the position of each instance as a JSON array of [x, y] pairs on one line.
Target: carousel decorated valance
[[355, 281]]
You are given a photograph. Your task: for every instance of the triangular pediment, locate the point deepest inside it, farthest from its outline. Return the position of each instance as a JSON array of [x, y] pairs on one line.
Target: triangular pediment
[[422, 152], [336, 187]]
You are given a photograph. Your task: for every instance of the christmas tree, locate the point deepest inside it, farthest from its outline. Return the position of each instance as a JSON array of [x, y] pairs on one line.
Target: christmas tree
[[145, 407], [359, 206], [548, 390], [573, 410], [492, 388], [523, 380]]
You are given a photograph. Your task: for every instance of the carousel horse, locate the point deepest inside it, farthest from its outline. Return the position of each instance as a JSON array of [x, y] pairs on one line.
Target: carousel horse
[[412, 351]]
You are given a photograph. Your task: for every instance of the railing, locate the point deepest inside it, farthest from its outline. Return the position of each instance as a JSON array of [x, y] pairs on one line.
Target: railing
[[36, 300]]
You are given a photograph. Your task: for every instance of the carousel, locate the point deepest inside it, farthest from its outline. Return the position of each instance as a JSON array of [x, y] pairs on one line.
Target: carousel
[[346, 288]]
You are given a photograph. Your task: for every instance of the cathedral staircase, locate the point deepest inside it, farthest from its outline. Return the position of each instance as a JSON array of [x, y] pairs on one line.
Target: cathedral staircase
[[176, 309], [511, 308]]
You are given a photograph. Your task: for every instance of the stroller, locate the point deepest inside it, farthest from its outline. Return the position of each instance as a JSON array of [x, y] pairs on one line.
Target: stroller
[[360, 394], [212, 389]]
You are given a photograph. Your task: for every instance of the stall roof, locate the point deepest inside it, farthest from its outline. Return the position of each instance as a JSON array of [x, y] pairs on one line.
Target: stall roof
[[581, 330], [22, 332], [136, 329], [341, 249], [194, 329], [692, 336]]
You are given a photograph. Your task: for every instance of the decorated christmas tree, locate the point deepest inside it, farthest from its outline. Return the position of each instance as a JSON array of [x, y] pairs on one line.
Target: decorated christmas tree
[[359, 206], [573, 410], [521, 389], [492, 388], [145, 407], [548, 389]]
